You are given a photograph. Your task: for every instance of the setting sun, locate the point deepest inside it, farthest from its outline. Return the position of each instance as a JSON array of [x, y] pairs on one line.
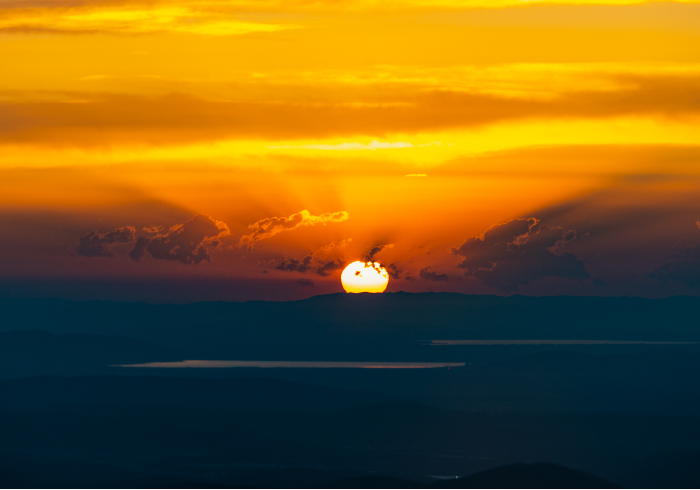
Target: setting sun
[[364, 277]]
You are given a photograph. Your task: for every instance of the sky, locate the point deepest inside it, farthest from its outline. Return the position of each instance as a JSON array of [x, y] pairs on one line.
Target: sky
[[235, 150]]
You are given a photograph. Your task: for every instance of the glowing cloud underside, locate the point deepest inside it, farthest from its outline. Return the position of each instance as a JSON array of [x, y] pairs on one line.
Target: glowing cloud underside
[[364, 277]]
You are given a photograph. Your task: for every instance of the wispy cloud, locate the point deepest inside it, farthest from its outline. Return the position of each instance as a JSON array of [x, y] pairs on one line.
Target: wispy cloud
[[372, 145], [269, 227], [186, 243], [130, 20], [104, 118]]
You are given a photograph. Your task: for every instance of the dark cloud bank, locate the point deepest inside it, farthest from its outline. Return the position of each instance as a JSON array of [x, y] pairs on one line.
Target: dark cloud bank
[[517, 252], [304, 265], [186, 243], [95, 244], [428, 274], [505, 257], [683, 267]]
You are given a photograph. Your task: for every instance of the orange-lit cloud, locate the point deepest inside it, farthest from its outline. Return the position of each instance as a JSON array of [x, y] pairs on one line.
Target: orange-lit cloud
[[127, 19], [311, 6], [108, 119], [186, 243], [331, 247], [372, 145], [269, 227], [305, 265]]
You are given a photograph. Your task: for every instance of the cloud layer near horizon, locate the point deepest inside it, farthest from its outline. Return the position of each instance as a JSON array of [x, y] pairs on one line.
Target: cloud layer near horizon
[[517, 252], [268, 227], [186, 243]]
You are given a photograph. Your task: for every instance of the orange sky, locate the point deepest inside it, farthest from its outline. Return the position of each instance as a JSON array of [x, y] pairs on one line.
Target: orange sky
[[406, 126]]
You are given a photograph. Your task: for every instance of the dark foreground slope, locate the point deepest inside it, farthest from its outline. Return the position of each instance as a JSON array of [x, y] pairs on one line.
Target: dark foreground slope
[[222, 447], [627, 414], [538, 475]]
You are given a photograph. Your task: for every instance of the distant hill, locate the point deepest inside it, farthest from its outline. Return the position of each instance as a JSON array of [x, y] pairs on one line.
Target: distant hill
[[32, 352], [256, 395], [344, 323], [538, 475]]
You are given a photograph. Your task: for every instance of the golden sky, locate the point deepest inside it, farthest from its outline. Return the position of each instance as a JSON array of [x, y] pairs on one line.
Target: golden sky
[[269, 142]]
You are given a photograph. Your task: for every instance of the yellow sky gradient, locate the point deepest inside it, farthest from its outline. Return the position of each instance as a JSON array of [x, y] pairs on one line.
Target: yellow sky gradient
[[244, 111]]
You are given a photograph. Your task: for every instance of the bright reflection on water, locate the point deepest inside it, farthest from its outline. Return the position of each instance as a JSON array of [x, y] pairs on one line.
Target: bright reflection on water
[[555, 342], [295, 364]]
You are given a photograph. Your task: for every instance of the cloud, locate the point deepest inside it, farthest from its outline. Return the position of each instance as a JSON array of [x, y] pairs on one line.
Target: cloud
[[176, 118], [133, 19], [93, 244], [517, 252], [394, 271], [683, 267], [294, 265], [269, 227], [428, 274], [323, 269], [600, 283], [369, 256], [306, 283], [321, 6], [416, 175], [329, 267], [372, 145], [332, 246], [186, 243]]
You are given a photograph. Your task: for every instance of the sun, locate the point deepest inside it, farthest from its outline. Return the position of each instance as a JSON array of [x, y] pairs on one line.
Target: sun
[[364, 277]]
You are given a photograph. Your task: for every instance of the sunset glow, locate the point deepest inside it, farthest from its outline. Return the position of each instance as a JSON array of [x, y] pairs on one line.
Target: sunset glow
[[365, 277], [301, 135]]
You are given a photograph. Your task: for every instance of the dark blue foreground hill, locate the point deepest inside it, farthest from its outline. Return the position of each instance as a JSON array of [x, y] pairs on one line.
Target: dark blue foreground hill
[[538, 475]]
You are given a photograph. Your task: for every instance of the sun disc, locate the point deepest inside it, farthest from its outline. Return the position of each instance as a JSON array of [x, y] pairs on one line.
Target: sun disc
[[364, 277]]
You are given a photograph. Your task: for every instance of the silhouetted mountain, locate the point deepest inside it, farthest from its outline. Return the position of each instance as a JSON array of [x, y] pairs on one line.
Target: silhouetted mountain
[[374, 482], [538, 475], [27, 353], [393, 326], [258, 395]]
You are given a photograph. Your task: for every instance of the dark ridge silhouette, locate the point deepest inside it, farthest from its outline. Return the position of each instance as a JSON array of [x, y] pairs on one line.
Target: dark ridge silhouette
[[538, 475], [374, 482], [362, 327], [32, 352], [258, 395], [451, 313]]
